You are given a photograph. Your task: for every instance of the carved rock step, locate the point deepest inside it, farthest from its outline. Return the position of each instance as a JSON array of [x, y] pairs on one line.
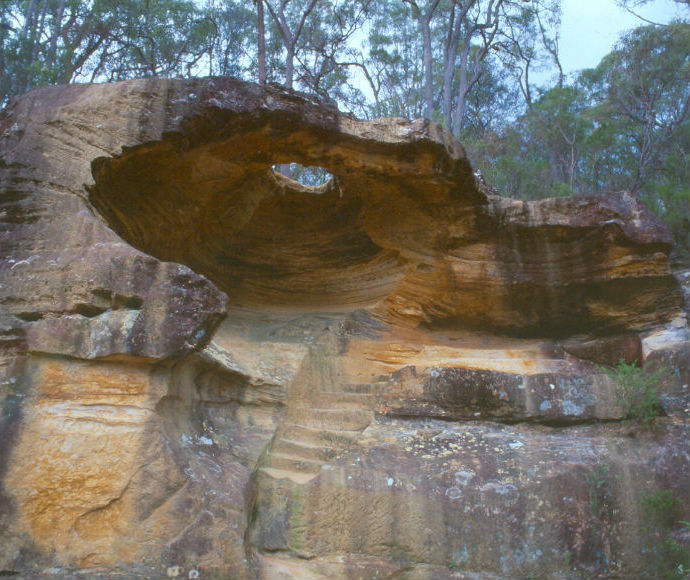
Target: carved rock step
[[294, 463], [365, 388], [303, 449], [343, 400], [294, 476], [338, 419], [328, 437]]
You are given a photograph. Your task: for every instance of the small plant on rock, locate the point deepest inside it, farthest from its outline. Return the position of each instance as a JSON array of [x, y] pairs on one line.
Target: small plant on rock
[[660, 508], [602, 509], [669, 559], [639, 390], [598, 490]]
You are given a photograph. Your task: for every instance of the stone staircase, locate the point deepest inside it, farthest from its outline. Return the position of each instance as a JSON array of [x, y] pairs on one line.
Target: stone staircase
[[325, 415], [318, 427]]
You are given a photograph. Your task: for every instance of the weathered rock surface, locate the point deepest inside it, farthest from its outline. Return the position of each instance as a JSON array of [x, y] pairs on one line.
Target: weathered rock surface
[[208, 368]]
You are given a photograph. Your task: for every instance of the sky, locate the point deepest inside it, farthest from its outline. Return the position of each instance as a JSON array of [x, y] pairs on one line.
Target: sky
[[590, 28]]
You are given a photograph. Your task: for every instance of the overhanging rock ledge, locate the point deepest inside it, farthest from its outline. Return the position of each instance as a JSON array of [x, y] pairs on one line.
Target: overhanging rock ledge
[[205, 365]]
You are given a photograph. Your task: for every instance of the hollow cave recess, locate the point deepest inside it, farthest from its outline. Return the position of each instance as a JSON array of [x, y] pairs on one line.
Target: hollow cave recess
[[265, 239], [401, 228]]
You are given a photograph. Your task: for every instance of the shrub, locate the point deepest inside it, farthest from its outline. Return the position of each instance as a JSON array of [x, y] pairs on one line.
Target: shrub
[[638, 390], [660, 508], [668, 558], [673, 559]]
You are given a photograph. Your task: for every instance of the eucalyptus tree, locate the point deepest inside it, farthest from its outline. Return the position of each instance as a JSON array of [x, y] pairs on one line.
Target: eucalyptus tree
[[493, 102], [59, 41], [455, 39], [327, 51], [643, 93], [44, 41], [624, 125], [261, 41], [640, 95], [7, 31], [528, 44], [289, 17], [560, 123], [230, 47], [312, 42], [436, 52], [548, 16], [631, 5], [152, 38], [392, 67], [423, 13], [468, 29]]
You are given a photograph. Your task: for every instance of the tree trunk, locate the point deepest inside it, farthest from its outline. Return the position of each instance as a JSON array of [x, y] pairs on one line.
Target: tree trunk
[[289, 37], [449, 56], [527, 91], [463, 88], [460, 106], [424, 20], [446, 96], [428, 76], [57, 29], [31, 35], [551, 47], [29, 18], [289, 66], [572, 165], [262, 41], [553, 166]]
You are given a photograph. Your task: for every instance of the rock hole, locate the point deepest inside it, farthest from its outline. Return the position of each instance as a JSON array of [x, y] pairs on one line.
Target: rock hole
[[130, 302], [29, 317], [264, 239], [310, 175], [107, 300], [89, 310]]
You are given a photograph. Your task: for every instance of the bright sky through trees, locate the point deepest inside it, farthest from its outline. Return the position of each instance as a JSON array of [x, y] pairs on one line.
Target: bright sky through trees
[[590, 28]]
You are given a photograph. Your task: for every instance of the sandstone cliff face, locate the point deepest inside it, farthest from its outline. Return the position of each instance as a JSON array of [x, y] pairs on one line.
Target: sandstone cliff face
[[206, 367]]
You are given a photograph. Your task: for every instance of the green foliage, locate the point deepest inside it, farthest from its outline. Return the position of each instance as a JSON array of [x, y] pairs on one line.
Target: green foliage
[[660, 507], [598, 491], [640, 96], [668, 558], [638, 391], [400, 555], [602, 511], [392, 65], [624, 125], [59, 41], [673, 559], [230, 49]]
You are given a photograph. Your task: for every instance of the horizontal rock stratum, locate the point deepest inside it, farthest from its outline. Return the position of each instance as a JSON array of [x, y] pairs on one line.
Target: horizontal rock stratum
[[207, 368]]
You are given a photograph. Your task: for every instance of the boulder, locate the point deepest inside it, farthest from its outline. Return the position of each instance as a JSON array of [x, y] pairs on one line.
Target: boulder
[[208, 369]]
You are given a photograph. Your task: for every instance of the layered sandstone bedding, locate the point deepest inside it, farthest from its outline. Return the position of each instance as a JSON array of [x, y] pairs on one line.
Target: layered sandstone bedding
[[207, 368]]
